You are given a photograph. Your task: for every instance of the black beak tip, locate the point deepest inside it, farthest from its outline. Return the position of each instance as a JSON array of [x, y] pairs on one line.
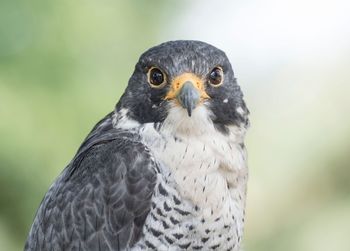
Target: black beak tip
[[189, 111]]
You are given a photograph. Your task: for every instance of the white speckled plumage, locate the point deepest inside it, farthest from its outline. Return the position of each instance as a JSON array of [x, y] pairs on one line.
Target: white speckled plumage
[[206, 170]]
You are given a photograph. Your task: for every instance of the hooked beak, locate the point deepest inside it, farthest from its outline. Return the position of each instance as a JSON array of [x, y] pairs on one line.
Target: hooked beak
[[188, 90], [188, 97]]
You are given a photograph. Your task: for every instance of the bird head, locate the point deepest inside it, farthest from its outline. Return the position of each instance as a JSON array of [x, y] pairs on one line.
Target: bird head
[[184, 80]]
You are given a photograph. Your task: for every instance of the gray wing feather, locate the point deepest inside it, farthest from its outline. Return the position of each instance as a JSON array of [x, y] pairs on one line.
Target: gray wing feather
[[101, 200]]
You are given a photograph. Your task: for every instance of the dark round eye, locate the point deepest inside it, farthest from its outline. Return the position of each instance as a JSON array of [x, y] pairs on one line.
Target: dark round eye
[[156, 77], [216, 76]]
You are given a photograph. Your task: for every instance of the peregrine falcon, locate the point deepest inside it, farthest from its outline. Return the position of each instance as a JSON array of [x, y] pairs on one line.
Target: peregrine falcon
[[166, 170]]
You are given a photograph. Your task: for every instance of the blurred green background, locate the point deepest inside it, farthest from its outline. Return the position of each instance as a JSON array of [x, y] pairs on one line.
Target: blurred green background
[[64, 64]]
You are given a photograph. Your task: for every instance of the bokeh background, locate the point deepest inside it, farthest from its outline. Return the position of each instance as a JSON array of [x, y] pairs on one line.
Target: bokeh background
[[64, 64]]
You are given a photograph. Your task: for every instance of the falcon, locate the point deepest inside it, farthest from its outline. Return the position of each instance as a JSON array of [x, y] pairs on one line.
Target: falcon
[[166, 170]]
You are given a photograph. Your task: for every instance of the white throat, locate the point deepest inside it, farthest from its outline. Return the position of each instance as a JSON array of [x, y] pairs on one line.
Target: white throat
[[209, 168], [178, 123]]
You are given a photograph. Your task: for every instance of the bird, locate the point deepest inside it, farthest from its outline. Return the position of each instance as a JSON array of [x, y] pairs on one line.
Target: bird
[[165, 170]]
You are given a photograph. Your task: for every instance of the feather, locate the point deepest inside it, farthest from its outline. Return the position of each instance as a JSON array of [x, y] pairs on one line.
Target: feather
[[101, 200]]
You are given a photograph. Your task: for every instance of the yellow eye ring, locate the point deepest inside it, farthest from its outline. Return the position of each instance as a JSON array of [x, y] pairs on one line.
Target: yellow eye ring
[[156, 77], [216, 76]]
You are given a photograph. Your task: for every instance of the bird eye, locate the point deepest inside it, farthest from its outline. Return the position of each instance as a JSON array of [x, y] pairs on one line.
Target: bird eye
[[216, 76], [156, 77]]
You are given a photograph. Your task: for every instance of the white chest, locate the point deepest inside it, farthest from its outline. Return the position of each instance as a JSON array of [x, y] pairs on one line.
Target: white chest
[[200, 196], [209, 173], [209, 169]]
